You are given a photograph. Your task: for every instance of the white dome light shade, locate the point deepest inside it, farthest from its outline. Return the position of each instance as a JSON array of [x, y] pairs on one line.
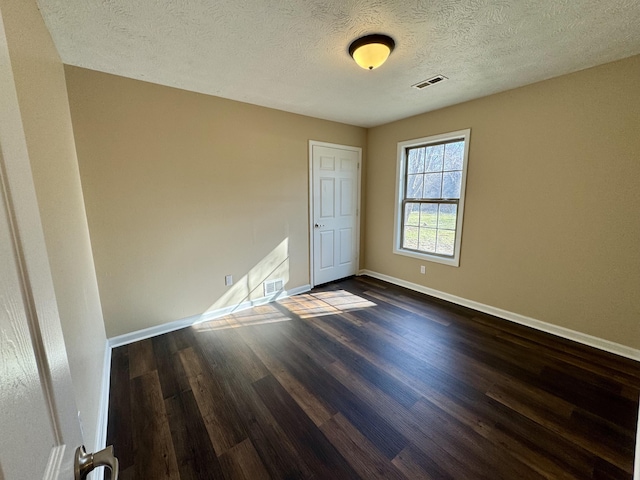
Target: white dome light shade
[[371, 51]]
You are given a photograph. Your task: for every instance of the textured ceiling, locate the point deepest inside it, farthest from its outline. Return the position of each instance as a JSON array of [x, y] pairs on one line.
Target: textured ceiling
[[292, 55]]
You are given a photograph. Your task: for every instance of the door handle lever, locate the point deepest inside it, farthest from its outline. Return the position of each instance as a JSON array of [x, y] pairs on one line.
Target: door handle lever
[[86, 462]]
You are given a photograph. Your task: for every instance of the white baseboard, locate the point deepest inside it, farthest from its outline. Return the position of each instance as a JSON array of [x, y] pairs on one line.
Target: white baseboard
[[143, 334], [563, 332]]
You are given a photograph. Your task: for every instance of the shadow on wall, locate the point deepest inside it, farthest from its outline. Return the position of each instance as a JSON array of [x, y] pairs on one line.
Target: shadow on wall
[[250, 288]]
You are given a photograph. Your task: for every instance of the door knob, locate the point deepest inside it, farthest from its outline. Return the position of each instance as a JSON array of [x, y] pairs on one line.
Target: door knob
[[318, 225], [86, 462]]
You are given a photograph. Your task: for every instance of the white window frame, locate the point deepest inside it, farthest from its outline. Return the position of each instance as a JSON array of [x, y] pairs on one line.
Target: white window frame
[[400, 193]]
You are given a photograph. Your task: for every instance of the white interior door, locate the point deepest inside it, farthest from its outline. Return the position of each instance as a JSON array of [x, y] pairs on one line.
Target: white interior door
[[334, 213], [39, 429]]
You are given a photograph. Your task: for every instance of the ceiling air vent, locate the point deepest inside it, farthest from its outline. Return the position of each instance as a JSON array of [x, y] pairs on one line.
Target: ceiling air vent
[[430, 81]]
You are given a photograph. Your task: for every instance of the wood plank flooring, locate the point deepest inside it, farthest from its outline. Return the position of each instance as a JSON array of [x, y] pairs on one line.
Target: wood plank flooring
[[362, 379]]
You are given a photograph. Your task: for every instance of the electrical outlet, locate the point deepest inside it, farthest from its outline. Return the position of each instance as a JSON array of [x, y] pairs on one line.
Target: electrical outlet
[[423, 269], [228, 280]]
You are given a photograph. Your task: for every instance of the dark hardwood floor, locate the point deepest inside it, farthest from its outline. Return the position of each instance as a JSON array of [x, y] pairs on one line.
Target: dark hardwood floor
[[362, 379]]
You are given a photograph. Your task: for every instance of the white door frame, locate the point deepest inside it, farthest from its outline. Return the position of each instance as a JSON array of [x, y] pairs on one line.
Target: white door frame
[[313, 143], [44, 331]]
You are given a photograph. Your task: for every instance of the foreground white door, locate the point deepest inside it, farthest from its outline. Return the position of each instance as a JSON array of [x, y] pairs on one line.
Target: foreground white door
[[39, 429], [335, 175]]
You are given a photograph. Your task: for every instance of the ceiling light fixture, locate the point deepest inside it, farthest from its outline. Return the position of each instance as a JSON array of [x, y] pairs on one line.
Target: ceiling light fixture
[[371, 51]]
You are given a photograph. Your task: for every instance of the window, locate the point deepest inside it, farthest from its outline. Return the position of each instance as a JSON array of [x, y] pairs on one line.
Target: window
[[430, 184]]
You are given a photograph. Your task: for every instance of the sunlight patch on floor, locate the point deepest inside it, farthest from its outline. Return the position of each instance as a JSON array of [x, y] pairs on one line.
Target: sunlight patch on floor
[[324, 303], [254, 316]]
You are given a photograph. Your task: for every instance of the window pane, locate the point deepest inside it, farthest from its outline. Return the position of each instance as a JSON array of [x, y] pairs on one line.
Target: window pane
[[416, 160], [427, 240], [453, 154], [410, 238], [435, 156], [451, 184], [447, 216], [446, 239], [432, 185], [433, 173], [429, 215], [412, 214], [414, 186]]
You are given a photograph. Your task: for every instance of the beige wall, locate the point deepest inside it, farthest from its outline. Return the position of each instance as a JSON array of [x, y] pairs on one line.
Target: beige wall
[[552, 212], [183, 188], [42, 96]]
